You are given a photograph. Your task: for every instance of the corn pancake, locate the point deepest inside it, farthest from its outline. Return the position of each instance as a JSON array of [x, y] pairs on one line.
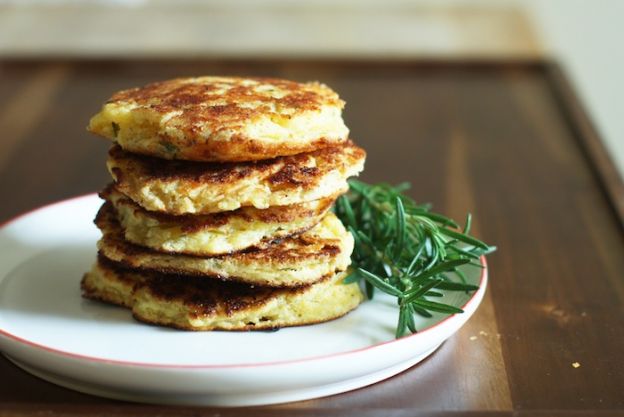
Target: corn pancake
[[213, 234], [222, 118], [193, 303], [179, 188], [103, 284], [290, 262]]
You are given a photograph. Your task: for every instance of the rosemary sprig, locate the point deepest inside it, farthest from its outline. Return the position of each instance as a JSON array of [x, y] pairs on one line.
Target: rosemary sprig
[[405, 250]]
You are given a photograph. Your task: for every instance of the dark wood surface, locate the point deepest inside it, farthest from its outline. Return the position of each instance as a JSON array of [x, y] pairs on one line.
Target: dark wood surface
[[507, 142]]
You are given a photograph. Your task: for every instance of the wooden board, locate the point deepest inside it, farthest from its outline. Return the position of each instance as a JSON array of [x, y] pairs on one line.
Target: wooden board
[[505, 141]]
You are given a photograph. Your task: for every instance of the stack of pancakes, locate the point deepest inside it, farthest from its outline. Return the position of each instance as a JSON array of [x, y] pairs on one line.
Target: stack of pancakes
[[219, 214]]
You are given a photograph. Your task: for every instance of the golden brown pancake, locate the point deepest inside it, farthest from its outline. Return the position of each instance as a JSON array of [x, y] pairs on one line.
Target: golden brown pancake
[[214, 234], [223, 118], [177, 187], [193, 303], [300, 260]]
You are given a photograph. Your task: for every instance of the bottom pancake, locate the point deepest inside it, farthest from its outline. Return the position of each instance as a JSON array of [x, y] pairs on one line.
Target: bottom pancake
[[193, 303]]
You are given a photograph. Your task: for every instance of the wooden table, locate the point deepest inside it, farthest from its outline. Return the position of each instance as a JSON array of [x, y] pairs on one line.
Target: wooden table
[[505, 141]]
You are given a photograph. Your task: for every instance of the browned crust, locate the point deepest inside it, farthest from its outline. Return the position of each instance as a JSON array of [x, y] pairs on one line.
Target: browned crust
[[239, 149], [282, 171], [290, 250], [193, 223], [177, 94], [121, 275], [247, 328], [90, 295], [202, 296], [210, 296], [156, 183], [190, 100], [106, 220], [87, 291]]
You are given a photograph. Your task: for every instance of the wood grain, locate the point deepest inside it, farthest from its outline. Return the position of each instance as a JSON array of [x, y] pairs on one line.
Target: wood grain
[[482, 330], [587, 136], [27, 106], [500, 140]]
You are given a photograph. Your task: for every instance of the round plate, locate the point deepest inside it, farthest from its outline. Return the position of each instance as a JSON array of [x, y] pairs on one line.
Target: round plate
[[50, 331]]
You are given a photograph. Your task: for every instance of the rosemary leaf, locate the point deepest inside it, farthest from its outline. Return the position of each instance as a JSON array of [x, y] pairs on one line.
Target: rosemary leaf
[[407, 251], [415, 295], [438, 307], [379, 283]]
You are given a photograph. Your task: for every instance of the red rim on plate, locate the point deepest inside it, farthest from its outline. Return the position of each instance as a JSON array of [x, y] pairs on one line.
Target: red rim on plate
[[482, 283]]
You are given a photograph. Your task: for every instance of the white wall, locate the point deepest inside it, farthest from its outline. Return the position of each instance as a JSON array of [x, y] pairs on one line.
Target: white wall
[[588, 38]]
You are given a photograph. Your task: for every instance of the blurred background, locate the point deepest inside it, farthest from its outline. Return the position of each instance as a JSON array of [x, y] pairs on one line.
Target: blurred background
[[585, 37]]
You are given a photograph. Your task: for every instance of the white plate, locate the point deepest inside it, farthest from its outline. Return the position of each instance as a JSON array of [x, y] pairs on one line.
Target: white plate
[[50, 331]]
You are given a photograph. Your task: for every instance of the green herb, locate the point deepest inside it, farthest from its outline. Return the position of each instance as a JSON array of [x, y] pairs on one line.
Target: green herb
[[407, 251], [169, 147], [115, 128]]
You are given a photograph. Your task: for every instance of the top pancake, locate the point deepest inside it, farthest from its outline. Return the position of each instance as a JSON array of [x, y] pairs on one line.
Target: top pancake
[[222, 119]]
